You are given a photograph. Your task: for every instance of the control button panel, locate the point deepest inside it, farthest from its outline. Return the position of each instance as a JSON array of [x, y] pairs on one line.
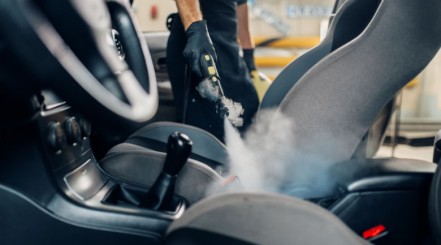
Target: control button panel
[[66, 132], [65, 135]]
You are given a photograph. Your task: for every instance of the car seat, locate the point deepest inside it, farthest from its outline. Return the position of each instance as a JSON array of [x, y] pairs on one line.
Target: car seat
[[349, 22], [337, 99]]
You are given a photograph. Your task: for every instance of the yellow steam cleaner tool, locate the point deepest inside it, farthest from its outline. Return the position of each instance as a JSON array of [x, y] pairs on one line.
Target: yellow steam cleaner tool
[[210, 88]]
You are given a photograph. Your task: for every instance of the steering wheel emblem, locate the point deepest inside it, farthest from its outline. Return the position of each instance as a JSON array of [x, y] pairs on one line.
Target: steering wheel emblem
[[118, 44]]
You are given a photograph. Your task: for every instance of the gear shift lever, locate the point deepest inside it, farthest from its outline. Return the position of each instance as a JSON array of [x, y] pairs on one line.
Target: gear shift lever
[[160, 195]]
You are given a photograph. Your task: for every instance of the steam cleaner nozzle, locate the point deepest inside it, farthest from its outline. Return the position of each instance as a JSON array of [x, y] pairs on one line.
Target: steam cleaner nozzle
[[211, 89]]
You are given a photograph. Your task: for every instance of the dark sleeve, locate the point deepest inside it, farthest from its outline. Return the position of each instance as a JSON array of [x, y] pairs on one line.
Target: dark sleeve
[[239, 2]]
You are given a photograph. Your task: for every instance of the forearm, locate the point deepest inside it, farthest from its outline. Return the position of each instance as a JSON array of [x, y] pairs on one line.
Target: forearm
[[189, 11], [243, 31]]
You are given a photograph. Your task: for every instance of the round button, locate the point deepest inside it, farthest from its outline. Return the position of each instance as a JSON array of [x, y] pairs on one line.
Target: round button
[[86, 128], [73, 130], [56, 137]]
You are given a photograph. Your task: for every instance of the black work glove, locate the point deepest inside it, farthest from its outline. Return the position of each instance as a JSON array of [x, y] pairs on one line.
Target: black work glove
[[198, 44], [248, 57]]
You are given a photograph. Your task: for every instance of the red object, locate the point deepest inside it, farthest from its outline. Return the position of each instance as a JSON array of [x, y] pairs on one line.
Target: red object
[[230, 180], [154, 11], [374, 231]]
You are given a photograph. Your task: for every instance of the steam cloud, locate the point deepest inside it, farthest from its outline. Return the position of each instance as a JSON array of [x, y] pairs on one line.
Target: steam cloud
[[260, 159], [211, 91], [263, 159]]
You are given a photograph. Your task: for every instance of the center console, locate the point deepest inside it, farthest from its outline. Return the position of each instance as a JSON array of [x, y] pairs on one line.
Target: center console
[[383, 200], [84, 195], [50, 182]]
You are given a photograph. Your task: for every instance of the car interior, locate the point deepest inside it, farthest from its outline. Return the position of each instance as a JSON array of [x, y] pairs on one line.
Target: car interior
[[90, 154]]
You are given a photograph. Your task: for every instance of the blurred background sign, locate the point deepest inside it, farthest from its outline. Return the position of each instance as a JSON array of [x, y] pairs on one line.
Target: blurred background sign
[[270, 18], [301, 11]]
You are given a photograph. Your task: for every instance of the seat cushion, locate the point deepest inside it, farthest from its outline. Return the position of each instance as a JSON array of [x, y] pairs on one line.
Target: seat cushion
[[134, 164], [206, 147], [260, 218]]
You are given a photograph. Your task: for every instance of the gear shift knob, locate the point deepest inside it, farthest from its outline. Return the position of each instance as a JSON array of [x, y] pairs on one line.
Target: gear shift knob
[[178, 150], [160, 196]]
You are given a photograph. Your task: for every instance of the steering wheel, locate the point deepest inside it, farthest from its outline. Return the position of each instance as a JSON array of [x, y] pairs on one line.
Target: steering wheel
[[69, 46]]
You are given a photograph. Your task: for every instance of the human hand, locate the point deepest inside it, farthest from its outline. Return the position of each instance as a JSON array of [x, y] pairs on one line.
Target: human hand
[[198, 44], [248, 57]]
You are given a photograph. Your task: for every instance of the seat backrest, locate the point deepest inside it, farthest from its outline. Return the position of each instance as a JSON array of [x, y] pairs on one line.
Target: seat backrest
[[350, 20], [336, 101], [374, 137]]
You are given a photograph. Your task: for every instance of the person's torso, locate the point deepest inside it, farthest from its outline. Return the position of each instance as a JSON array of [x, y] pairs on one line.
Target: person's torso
[[221, 16]]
